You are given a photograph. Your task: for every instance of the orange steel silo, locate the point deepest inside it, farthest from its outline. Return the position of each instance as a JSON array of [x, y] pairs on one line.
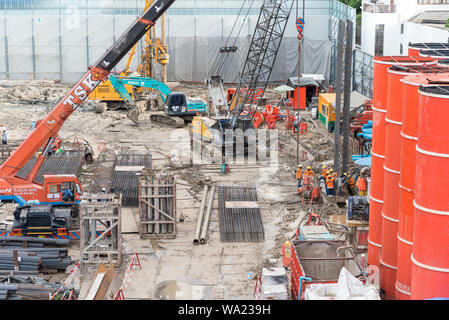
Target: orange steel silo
[[380, 85], [395, 119], [430, 256], [443, 63], [414, 48], [438, 54]]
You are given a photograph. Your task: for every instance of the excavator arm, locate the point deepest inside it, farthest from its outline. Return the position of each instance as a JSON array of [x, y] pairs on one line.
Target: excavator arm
[[52, 123], [119, 85]]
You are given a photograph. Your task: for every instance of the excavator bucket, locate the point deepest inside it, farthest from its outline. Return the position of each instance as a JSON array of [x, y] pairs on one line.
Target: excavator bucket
[[133, 115]]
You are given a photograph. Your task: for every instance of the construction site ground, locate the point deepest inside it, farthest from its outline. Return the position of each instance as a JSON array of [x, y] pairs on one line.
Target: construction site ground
[[176, 268]]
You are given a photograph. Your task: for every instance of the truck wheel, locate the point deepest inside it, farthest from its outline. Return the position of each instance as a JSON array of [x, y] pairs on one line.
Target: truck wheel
[[75, 212]]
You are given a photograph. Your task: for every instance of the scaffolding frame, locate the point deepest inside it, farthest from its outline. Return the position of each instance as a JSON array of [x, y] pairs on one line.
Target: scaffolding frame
[[362, 79], [101, 240]]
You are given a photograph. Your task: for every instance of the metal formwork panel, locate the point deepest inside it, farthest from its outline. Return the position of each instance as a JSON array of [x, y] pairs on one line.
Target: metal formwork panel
[[157, 205], [101, 229]]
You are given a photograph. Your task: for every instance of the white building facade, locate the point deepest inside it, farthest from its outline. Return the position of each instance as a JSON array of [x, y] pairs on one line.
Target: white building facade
[[388, 26]]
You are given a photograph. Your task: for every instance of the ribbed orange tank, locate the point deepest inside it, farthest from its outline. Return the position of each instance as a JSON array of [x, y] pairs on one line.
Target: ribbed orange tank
[[430, 256], [414, 48], [443, 63], [380, 85], [438, 54], [402, 193]]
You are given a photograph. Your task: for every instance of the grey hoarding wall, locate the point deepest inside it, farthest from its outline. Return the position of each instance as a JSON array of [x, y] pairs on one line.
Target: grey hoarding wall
[[61, 47]]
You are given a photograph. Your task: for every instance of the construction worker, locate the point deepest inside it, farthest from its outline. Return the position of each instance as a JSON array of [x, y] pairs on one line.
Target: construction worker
[[55, 145], [351, 184], [4, 137], [309, 172], [339, 183], [330, 184], [299, 175], [67, 195], [361, 185], [323, 174], [335, 176]]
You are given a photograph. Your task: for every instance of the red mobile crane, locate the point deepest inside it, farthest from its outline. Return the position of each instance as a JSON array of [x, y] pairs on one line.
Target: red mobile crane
[[53, 190]]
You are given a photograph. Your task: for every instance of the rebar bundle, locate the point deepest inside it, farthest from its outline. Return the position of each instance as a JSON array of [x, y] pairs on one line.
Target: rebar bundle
[[125, 177], [55, 164], [240, 219]]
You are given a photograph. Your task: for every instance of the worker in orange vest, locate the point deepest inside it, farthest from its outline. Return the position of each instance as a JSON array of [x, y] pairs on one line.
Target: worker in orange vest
[[299, 175], [309, 172], [351, 184], [55, 145], [361, 185], [330, 184], [323, 173]]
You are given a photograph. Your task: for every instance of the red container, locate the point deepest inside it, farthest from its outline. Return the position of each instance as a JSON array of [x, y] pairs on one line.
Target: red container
[[430, 255], [440, 54], [390, 220], [443, 63], [407, 181], [392, 168], [380, 88], [414, 48]]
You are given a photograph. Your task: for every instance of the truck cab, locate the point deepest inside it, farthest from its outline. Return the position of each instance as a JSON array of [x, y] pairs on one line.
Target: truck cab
[[177, 104], [62, 190]]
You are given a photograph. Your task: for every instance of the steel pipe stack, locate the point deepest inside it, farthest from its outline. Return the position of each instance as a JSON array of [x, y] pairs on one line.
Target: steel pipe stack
[[430, 256], [376, 196]]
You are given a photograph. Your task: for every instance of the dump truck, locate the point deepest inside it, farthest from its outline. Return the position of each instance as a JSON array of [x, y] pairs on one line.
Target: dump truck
[[320, 261]]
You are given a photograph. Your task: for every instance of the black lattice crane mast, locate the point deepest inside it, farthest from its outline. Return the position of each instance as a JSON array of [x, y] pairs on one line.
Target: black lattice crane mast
[[260, 60]]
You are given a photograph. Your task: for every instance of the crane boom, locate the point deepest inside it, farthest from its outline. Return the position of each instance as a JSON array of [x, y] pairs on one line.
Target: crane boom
[[52, 123], [262, 53]]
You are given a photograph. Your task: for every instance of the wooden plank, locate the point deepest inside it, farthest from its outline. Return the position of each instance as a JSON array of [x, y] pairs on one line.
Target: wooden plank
[[95, 286], [105, 283], [136, 169], [241, 205]]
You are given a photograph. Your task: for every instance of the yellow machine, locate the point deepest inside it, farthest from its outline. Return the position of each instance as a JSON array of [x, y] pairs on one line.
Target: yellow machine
[[326, 110], [201, 126], [155, 49]]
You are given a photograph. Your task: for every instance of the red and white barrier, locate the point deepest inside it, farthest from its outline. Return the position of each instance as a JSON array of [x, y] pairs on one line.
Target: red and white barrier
[[120, 295]]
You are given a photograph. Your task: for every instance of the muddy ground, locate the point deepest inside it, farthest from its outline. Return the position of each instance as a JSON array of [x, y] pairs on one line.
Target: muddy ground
[[177, 268]]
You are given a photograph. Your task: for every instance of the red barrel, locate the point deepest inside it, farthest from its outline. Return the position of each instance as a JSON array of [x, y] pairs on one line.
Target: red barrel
[[430, 256], [414, 48], [407, 180], [443, 63], [380, 87], [392, 167], [390, 211], [440, 54]]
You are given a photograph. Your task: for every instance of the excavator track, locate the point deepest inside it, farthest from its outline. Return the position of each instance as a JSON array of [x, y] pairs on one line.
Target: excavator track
[[171, 121]]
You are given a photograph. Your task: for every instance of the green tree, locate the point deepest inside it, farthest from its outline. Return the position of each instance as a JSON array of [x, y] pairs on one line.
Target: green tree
[[353, 3], [447, 23]]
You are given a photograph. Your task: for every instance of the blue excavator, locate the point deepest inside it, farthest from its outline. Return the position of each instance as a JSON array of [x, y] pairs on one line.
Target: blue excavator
[[178, 109]]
